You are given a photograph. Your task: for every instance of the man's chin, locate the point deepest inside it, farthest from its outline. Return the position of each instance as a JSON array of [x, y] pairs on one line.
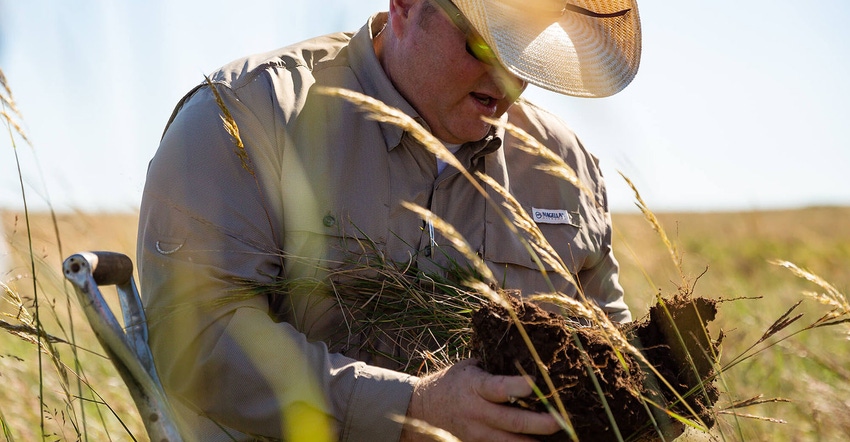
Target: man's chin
[[477, 128], [471, 128]]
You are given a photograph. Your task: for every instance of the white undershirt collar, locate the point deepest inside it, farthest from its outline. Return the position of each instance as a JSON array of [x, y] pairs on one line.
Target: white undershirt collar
[[453, 148]]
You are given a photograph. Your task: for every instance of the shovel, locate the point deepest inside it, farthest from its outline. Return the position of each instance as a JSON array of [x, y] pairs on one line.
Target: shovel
[[126, 347]]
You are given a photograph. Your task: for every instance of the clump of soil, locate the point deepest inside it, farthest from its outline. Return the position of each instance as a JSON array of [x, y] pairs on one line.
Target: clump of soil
[[568, 349]]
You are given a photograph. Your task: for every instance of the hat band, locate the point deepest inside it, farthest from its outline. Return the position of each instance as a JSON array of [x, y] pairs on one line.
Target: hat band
[[580, 10]]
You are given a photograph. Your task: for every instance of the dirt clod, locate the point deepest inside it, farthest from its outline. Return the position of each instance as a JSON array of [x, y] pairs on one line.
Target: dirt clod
[[581, 361]]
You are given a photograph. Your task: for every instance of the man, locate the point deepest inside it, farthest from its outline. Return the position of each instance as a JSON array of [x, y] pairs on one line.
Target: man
[[314, 179]]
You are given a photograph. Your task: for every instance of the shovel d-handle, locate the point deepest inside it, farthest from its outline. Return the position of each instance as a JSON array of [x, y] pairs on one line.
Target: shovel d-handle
[[127, 346], [107, 268]]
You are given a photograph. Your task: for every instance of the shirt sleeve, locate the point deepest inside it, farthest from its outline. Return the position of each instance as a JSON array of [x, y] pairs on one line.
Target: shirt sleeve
[[601, 280], [208, 221], [600, 277]]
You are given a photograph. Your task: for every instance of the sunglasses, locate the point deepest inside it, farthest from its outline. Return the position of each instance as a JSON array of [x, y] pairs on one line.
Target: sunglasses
[[475, 44]]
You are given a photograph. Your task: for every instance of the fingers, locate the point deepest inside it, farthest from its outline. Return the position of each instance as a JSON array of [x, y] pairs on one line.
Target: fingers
[[500, 389], [519, 421]]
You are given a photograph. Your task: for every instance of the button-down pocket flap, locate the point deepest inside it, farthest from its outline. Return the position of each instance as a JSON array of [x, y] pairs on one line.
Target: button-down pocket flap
[[501, 245]]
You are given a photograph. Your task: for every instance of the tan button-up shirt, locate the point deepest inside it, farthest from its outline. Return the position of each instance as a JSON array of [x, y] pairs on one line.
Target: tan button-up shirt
[[314, 180]]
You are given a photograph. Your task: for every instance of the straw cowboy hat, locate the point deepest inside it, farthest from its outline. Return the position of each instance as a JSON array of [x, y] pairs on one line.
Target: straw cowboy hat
[[585, 48]]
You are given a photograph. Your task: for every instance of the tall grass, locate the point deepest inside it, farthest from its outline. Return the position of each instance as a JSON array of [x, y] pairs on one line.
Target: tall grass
[[47, 388], [56, 384], [810, 369], [802, 364], [54, 398]]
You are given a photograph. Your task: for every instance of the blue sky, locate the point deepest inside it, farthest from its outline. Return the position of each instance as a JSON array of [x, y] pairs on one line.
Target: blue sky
[[737, 105]]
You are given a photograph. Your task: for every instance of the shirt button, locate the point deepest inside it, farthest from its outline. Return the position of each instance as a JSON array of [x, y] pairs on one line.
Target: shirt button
[[328, 221]]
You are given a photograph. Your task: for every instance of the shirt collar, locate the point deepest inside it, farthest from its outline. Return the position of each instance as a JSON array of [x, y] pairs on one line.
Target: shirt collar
[[374, 81]]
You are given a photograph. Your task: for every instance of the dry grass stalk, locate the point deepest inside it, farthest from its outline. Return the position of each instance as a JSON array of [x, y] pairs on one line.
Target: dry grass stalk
[[837, 315], [833, 298], [454, 237], [757, 400], [422, 427], [15, 126], [25, 327], [378, 111], [8, 101], [538, 246], [29, 329], [556, 165], [675, 255], [36, 320], [232, 128]]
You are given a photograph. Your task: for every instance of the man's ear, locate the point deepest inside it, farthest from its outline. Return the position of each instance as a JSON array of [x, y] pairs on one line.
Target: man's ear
[[402, 7], [400, 13]]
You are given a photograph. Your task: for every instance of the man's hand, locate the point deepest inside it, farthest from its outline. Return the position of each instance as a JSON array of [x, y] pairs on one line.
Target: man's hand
[[468, 402]]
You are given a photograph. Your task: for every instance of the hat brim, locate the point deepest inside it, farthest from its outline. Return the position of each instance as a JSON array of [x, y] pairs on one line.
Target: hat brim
[[571, 53]]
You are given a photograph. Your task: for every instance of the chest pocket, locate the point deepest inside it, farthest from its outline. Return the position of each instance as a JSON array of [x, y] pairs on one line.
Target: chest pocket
[[332, 209], [514, 265], [332, 235], [323, 234]]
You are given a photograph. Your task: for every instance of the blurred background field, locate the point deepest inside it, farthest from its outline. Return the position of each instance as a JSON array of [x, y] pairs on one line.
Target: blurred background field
[[19, 374], [810, 369]]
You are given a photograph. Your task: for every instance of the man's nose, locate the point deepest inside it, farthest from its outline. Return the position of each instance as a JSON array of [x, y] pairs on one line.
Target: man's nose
[[510, 84]]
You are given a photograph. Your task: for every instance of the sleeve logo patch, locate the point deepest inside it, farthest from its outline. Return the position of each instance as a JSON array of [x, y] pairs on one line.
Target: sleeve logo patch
[[553, 216]]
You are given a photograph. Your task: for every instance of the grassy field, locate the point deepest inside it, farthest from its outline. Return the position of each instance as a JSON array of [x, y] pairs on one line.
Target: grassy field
[[725, 256], [19, 373], [809, 369]]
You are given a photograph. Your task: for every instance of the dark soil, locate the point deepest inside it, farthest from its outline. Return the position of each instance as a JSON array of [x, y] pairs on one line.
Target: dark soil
[[567, 349]]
